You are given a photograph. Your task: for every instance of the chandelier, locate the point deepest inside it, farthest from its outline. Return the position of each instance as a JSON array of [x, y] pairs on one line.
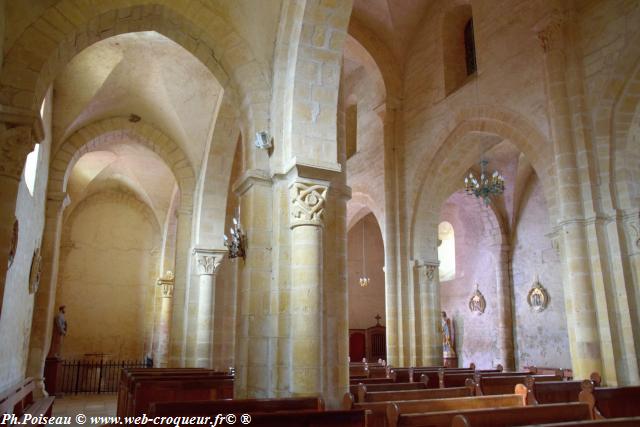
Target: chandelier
[[235, 244], [486, 186], [364, 279]]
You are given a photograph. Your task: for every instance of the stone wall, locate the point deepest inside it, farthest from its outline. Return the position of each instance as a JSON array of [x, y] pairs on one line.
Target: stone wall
[[475, 336], [15, 323], [108, 265], [365, 303], [540, 338]]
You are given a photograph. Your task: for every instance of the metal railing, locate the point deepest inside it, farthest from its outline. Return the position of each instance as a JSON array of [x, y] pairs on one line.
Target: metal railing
[[87, 376]]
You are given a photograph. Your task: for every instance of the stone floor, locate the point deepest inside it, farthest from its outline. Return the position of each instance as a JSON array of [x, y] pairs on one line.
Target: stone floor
[[91, 405]]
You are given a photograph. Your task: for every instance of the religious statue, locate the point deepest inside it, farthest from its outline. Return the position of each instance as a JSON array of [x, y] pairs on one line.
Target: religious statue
[[59, 331], [448, 337]]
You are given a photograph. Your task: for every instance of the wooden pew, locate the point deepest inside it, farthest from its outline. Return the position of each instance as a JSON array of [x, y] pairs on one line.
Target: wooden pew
[[146, 390], [356, 381], [378, 410], [611, 402], [362, 389], [206, 408], [343, 418], [499, 417], [18, 400], [392, 396], [128, 377], [611, 422], [396, 409], [505, 384], [555, 391]]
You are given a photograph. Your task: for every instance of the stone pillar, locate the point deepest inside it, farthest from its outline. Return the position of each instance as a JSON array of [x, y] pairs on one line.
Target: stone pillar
[[15, 143], [43, 309], [503, 306], [178, 343], [163, 327], [428, 279], [207, 262], [307, 208], [586, 355]]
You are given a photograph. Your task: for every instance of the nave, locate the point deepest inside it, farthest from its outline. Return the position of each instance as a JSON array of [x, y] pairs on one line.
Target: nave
[[204, 199]]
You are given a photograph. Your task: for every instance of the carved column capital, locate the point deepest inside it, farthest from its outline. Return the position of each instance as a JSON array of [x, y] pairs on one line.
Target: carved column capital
[[15, 144], [551, 31], [166, 284], [208, 260], [307, 203], [429, 269]]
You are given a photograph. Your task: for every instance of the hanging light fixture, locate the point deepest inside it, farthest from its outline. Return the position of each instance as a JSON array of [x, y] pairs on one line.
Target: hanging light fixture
[[364, 279], [236, 244], [486, 186]]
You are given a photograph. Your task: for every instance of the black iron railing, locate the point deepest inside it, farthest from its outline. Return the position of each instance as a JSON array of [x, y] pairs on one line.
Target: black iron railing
[[87, 376]]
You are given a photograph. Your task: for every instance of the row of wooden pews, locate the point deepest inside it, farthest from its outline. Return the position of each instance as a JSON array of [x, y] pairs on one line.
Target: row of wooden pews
[[468, 397], [172, 394]]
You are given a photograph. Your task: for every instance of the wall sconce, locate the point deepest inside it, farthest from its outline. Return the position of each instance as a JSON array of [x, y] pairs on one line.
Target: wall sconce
[[236, 243], [263, 140]]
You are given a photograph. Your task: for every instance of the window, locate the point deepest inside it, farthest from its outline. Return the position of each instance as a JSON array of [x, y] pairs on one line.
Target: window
[[352, 130], [470, 48], [446, 251], [30, 168]]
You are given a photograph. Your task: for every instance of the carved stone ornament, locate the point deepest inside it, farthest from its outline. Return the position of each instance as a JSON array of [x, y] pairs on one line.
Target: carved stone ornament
[[208, 261], [15, 144], [307, 203], [166, 283], [14, 243], [431, 271], [477, 303], [551, 36], [538, 297], [35, 272]]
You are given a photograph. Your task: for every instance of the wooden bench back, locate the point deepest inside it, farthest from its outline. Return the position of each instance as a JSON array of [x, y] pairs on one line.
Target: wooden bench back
[[614, 422], [439, 393], [128, 379], [351, 418], [611, 402], [356, 381], [363, 389], [556, 391], [17, 397], [205, 408], [148, 390], [499, 417], [395, 409], [505, 384]]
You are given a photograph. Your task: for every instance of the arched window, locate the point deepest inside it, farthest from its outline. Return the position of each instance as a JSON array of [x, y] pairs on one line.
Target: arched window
[[30, 168], [470, 48], [458, 47], [352, 130], [446, 251]]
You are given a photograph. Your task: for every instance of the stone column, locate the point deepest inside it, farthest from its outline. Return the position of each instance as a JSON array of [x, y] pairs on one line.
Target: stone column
[[15, 144], [43, 308], [586, 355], [207, 262], [163, 328], [503, 306], [307, 208], [179, 317], [428, 279]]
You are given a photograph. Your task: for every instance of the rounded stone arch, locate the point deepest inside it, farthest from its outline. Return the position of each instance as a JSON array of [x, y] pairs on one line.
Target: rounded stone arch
[[97, 134], [66, 28], [210, 213], [616, 109], [455, 155], [128, 197]]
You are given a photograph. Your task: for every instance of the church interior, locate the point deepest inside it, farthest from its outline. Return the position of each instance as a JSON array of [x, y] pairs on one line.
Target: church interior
[[287, 199]]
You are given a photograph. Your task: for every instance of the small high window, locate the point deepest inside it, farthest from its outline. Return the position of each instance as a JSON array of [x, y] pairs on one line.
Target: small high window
[[470, 48], [30, 168], [352, 129], [446, 251]]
